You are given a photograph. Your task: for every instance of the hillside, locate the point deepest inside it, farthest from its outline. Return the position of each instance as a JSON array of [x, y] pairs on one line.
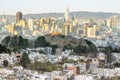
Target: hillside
[[78, 14], [62, 40]]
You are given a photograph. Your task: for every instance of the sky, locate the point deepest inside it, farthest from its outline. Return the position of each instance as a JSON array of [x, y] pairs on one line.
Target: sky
[[45, 6]]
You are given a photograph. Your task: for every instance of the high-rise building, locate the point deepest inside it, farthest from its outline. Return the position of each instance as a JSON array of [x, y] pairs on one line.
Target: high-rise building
[[4, 20], [31, 24], [67, 29], [90, 31], [18, 16], [45, 28], [66, 14], [112, 22], [10, 28], [86, 26], [115, 21], [21, 23]]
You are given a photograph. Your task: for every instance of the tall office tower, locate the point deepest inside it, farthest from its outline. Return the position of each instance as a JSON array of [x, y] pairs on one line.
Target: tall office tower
[[31, 24], [66, 14], [10, 28], [45, 28], [90, 31], [112, 22], [86, 26], [67, 29], [18, 16], [4, 20]]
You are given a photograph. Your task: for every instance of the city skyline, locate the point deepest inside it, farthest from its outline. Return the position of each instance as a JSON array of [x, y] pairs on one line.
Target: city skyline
[[45, 6]]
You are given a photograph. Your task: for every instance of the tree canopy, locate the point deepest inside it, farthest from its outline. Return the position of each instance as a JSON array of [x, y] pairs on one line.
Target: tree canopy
[[25, 60], [41, 42], [4, 49], [85, 48], [5, 63], [17, 42]]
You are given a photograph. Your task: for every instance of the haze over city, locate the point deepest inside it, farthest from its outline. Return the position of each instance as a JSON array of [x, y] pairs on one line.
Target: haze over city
[[45, 6]]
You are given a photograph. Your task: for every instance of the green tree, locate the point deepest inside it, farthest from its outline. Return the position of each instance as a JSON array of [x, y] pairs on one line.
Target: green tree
[[62, 36], [48, 68], [77, 50], [5, 63], [92, 48], [41, 42], [4, 49], [54, 47], [88, 42], [23, 43], [39, 65], [6, 40], [80, 49], [117, 50], [15, 41], [107, 50], [72, 53], [25, 60], [66, 47], [116, 64]]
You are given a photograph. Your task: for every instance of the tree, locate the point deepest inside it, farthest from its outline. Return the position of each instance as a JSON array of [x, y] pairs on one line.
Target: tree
[[80, 49], [107, 50], [92, 48], [66, 47], [72, 53], [116, 64], [48, 68], [62, 36], [6, 40], [23, 43], [5, 63], [39, 65], [41, 42], [88, 42], [77, 49], [54, 47], [116, 50], [47, 44], [4, 49], [101, 64], [17, 42], [25, 60]]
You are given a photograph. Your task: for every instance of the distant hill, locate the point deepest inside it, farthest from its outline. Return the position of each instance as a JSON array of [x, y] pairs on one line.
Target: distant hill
[[78, 14]]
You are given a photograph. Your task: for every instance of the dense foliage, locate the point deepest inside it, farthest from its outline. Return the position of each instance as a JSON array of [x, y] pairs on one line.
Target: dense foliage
[[81, 46], [85, 48], [4, 49], [116, 64], [25, 60], [15, 42], [41, 42], [48, 67], [5, 63]]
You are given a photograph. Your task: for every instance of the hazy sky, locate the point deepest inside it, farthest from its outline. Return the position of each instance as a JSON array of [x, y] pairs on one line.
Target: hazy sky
[[45, 6]]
